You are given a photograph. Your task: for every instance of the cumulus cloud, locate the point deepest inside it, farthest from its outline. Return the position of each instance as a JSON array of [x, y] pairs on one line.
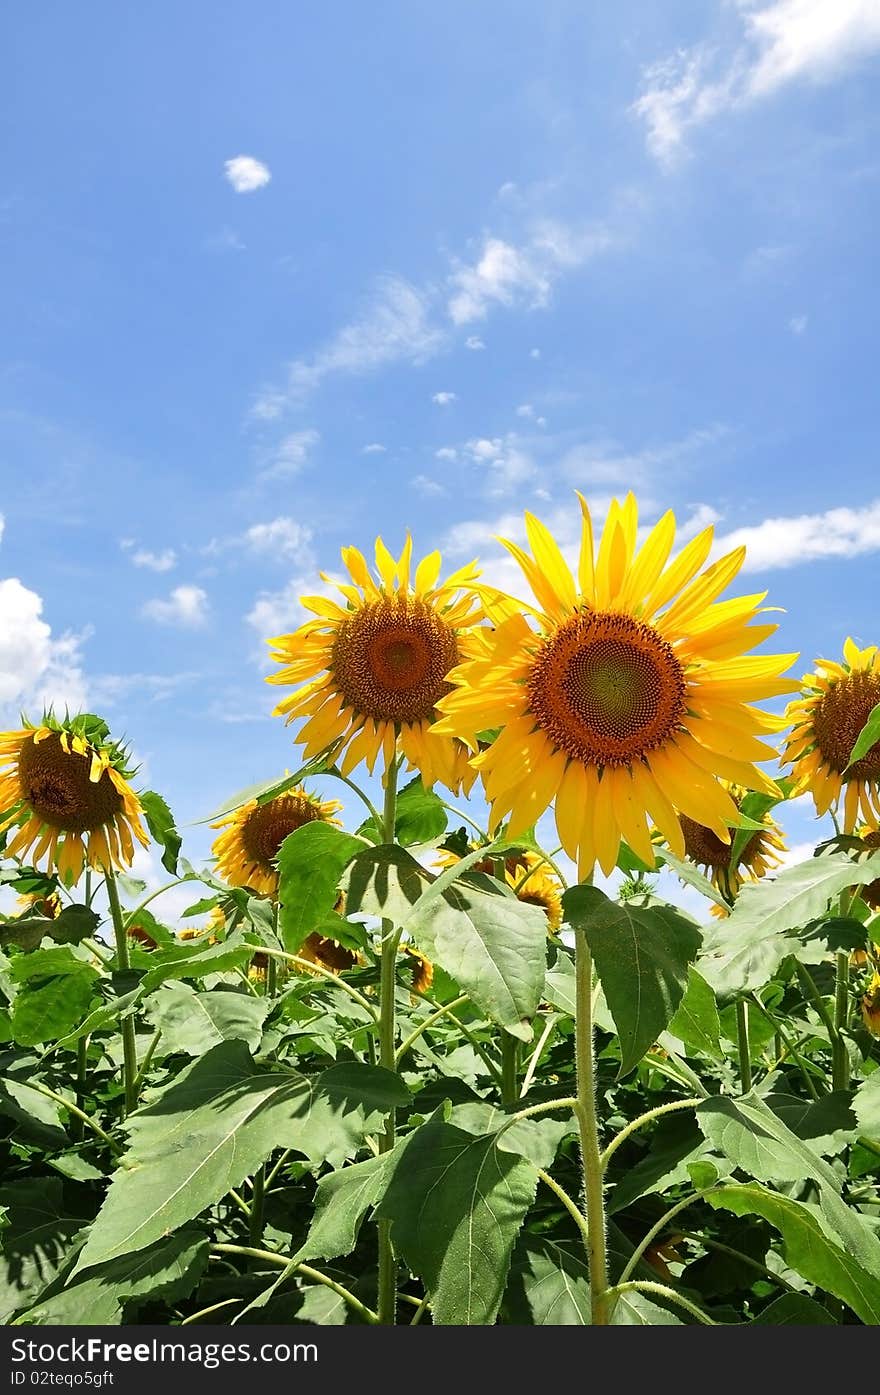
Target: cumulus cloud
[[790, 540], [246, 174], [428, 487], [443, 399], [280, 536], [156, 561], [186, 606], [780, 43], [374, 448], [474, 343], [37, 669]]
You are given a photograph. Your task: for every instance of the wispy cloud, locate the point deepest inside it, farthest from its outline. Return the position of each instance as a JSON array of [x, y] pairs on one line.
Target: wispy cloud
[[474, 343], [154, 561], [185, 606], [788, 541], [780, 43], [798, 324], [506, 274], [291, 454], [374, 448], [431, 489], [607, 463], [246, 174], [282, 537], [109, 689], [443, 399]]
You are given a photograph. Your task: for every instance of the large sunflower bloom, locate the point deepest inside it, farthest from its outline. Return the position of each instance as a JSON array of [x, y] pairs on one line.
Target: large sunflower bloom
[[64, 786], [374, 668], [826, 721], [247, 848], [530, 876], [627, 696], [759, 854]]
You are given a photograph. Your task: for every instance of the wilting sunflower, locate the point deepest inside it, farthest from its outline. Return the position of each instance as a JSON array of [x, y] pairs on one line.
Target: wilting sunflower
[[247, 849], [871, 1006], [761, 852], [374, 668], [329, 954], [871, 842], [826, 721], [64, 786], [422, 970], [626, 693], [38, 903], [533, 880]]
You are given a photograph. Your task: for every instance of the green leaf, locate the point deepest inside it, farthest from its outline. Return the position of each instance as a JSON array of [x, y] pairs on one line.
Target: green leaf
[[549, 1285], [47, 1010], [35, 1242], [537, 1140], [71, 925], [696, 1022], [867, 737], [168, 1270], [752, 810], [160, 822], [795, 1310], [866, 1105], [456, 1203], [828, 1122], [266, 789], [676, 1144], [808, 1248], [634, 1309], [102, 1016], [743, 952], [420, 817], [687, 872], [33, 1111], [342, 1200], [311, 861], [642, 956], [215, 1124], [751, 1136], [192, 1023], [193, 959]]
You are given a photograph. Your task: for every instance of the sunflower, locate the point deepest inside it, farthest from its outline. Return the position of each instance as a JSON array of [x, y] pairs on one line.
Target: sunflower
[[533, 880], [39, 903], [64, 786], [247, 848], [625, 693], [826, 720], [370, 672], [421, 968], [761, 852], [871, 1006], [329, 954]]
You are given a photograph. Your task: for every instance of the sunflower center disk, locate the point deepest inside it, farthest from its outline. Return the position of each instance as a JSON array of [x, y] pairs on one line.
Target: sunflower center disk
[[607, 689], [706, 848], [390, 660], [267, 827], [838, 718], [56, 785]]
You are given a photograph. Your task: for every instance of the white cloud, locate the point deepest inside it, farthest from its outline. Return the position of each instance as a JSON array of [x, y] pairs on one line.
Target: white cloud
[[155, 561], [374, 448], [443, 399], [395, 325], [186, 606], [474, 342], [109, 689], [279, 612], [281, 536], [798, 323], [605, 463], [446, 453], [430, 488], [782, 42], [36, 669], [789, 541], [246, 174], [292, 453], [534, 353], [703, 516], [525, 409], [504, 274], [2, 526]]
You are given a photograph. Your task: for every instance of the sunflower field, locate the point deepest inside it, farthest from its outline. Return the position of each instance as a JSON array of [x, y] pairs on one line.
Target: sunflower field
[[455, 1060]]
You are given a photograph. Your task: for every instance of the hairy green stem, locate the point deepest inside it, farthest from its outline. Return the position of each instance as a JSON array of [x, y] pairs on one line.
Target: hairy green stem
[[509, 1060], [255, 1225], [75, 1110], [429, 1021], [570, 1205], [663, 1291], [839, 1053], [82, 1067], [387, 1278], [657, 1229], [123, 960], [585, 1112], [643, 1119], [536, 1056], [742, 1041], [269, 1257]]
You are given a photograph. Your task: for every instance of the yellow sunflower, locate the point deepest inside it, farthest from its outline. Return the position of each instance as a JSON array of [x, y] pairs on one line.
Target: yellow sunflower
[[421, 967], [370, 672], [871, 893], [329, 954], [247, 848], [626, 693], [871, 1006], [64, 787], [826, 721], [533, 880], [36, 903], [762, 851]]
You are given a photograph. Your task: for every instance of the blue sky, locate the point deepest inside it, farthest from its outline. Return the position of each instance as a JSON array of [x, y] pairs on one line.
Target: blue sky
[[465, 258]]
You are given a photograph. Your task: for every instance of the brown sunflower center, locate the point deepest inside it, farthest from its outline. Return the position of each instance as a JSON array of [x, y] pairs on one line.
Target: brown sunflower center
[[706, 848], [838, 717], [390, 659], [607, 688], [266, 828], [56, 785]]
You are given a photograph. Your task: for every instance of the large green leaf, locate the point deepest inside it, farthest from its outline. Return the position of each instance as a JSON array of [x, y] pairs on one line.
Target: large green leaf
[[688, 873], [809, 1249], [456, 1203], [642, 954], [868, 736], [744, 950], [36, 1241], [866, 1105], [342, 1200], [311, 861], [747, 1132], [160, 822], [215, 1124], [696, 1022], [55, 990], [193, 959], [168, 1270], [549, 1284], [795, 1310], [537, 1140], [34, 1112], [72, 924], [420, 816], [634, 1309], [493, 945], [193, 1023]]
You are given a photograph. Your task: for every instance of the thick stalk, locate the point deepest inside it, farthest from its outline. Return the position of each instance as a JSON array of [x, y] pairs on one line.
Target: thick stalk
[[742, 1036], [129, 1041], [387, 1296], [509, 1056], [840, 1055], [585, 1112]]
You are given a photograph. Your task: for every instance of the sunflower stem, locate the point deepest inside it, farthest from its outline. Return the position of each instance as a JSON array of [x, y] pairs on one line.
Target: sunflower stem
[[123, 961], [840, 1055], [509, 1061], [387, 1294], [742, 1040], [82, 1067], [585, 1112], [258, 1193]]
